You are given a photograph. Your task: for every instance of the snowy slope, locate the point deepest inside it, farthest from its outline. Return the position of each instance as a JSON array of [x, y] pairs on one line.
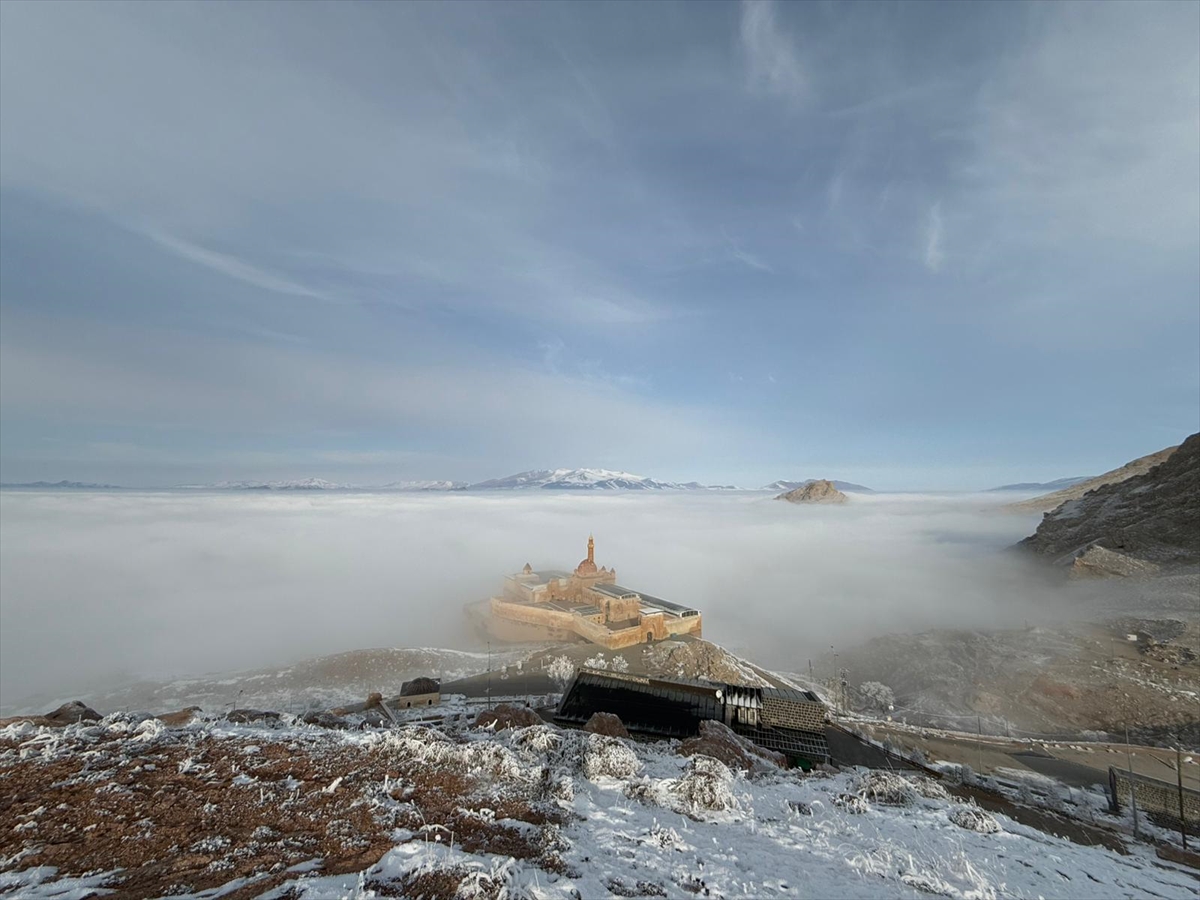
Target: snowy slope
[[533, 812]]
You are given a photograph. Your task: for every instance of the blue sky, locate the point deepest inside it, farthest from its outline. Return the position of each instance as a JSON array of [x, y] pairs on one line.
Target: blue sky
[[914, 246]]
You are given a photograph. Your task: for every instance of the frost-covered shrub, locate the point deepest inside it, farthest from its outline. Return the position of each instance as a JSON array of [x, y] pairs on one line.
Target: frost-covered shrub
[[973, 818], [929, 789], [561, 671], [609, 757], [887, 788], [851, 803], [596, 662], [536, 741], [563, 790], [706, 785], [619, 664]]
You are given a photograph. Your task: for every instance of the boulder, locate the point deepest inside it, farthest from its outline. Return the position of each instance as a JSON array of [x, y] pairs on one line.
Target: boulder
[[507, 716], [70, 713], [246, 716], [324, 720], [67, 714], [179, 717], [1100, 562], [606, 723]]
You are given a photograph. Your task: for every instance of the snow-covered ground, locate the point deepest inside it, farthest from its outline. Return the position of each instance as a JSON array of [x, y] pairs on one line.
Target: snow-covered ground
[[532, 812]]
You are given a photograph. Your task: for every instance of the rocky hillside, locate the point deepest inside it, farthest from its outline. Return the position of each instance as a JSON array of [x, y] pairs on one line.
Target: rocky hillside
[[814, 492], [1115, 529], [1048, 502]]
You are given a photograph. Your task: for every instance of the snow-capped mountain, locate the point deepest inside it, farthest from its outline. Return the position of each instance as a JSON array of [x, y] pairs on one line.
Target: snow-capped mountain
[[582, 479], [840, 485]]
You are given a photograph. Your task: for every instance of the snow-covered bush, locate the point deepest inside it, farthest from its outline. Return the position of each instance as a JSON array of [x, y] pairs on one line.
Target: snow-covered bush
[[561, 671], [876, 696], [605, 756], [535, 742], [929, 789], [706, 785], [596, 662], [888, 788], [619, 664], [851, 803], [973, 818]]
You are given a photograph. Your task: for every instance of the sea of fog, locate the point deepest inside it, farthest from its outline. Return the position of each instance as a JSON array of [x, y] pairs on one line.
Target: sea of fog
[[100, 586]]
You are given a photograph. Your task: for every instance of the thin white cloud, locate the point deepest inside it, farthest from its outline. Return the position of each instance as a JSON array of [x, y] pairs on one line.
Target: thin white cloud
[[772, 63], [745, 257], [232, 267], [935, 255]]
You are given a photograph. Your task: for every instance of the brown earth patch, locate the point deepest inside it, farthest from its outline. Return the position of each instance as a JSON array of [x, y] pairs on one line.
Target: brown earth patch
[[188, 811]]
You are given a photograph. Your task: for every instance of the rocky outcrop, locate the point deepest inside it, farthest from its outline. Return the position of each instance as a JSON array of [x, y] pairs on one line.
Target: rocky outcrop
[[68, 714], [1048, 502], [1118, 528], [507, 716], [814, 492], [1097, 562], [606, 723]]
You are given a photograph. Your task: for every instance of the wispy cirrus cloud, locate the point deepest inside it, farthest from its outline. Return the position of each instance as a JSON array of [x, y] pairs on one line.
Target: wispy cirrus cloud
[[935, 255], [772, 61], [233, 267]]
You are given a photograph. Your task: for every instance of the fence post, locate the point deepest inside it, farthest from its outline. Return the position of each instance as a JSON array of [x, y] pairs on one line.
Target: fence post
[[1179, 781]]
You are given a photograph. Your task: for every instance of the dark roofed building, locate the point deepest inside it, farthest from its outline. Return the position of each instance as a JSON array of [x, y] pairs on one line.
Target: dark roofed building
[[790, 721]]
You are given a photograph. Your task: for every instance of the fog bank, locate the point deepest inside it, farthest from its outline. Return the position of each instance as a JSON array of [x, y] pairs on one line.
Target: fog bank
[[96, 586]]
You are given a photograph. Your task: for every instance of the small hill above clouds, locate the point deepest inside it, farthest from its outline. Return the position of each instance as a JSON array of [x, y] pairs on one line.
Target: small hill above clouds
[[848, 486], [1047, 502], [814, 492], [1151, 517]]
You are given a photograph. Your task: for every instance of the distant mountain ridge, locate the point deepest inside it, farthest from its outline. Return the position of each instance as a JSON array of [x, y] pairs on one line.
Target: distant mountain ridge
[[1056, 485], [786, 486], [64, 485], [1048, 502]]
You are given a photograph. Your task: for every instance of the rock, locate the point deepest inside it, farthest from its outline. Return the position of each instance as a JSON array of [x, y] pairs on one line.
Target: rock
[[246, 716], [67, 714], [606, 723], [1099, 562], [719, 742], [70, 713], [507, 716], [1149, 518], [179, 717], [324, 720], [821, 491]]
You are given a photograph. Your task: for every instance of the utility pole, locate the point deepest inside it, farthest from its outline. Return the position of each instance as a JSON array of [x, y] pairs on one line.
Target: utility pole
[[1179, 781], [1132, 783], [489, 678], [979, 741]]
